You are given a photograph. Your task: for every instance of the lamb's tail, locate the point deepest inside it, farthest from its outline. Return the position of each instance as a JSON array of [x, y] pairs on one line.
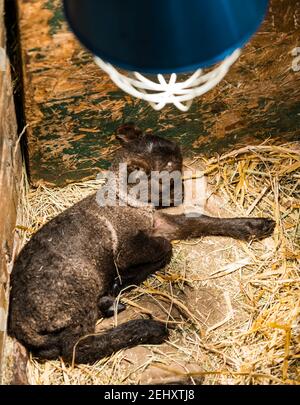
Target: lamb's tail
[[91, 348]]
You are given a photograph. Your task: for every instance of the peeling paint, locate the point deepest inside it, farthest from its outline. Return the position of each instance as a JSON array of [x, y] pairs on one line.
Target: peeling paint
[[73, 108]]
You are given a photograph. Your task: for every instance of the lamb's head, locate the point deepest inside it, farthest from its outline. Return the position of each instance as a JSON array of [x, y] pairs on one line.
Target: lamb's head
[[153, 163]]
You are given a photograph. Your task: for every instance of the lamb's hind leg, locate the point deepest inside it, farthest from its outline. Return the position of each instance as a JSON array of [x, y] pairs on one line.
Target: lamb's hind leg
[[79, 343], [51, 342], [92, 347], [183, 227]]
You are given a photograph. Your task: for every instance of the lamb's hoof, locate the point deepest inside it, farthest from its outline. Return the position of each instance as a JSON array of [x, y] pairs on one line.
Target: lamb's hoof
[[158, 332], [258, 228], [148, 331], [107, 306], [111, 310]]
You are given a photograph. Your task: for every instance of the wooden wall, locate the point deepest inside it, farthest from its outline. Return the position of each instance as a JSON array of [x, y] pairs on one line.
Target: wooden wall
[[73, 108], [10, 171]]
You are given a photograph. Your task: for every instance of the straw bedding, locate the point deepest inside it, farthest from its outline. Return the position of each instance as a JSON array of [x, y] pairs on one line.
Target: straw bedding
[[233, 307]]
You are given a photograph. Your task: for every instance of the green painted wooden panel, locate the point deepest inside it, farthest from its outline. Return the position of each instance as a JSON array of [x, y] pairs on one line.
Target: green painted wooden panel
[[73, 109]]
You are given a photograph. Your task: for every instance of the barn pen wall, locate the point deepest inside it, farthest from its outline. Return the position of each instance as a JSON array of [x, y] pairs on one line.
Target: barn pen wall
[[10, 175]]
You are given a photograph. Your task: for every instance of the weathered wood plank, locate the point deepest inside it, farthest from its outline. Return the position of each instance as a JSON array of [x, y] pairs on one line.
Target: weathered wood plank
[[10, 170], [73, 108]]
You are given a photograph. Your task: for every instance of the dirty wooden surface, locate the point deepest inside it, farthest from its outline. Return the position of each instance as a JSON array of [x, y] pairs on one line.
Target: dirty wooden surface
[[10, 169], [73, 108]]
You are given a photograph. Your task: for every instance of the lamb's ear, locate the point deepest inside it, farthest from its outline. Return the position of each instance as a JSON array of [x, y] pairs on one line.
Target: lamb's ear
[[128, 133], [137, 163]]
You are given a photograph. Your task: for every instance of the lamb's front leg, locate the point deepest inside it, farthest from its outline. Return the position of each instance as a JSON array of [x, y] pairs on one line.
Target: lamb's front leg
[[140, 257], [174, 227]]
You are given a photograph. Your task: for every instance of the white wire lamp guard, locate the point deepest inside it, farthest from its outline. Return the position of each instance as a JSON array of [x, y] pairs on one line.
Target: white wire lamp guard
[[162, 92], [165, 38]]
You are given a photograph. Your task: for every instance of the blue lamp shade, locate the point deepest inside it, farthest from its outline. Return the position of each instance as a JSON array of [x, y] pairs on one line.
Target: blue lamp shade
[[164, 36]]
